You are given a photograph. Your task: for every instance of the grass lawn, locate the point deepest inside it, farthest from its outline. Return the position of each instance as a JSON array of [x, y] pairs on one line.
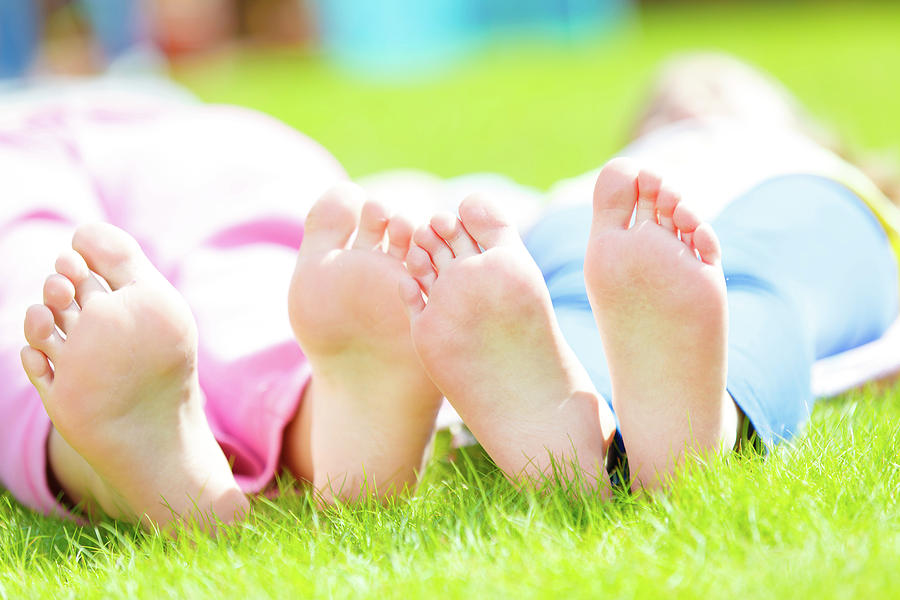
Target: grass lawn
[[818, 519]]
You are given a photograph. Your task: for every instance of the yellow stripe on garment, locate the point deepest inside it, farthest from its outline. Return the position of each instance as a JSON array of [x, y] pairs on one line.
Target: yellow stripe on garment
[[884, 210]]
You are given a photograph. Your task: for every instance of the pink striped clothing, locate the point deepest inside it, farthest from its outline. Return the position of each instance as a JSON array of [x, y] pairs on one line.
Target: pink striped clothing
[[216, 197]]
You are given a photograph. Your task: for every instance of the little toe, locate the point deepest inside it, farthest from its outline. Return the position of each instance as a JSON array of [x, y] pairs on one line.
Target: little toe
[[648, 190], [400, 231], [71, 265], [486, 224], [666, 202], [332, 219], [38, 368], [615, 195], [450, 229], [40, 330], [111, 253], [411, 294], [418, 263], [428, 240], [707, 244], [59, 296], [372, 226]]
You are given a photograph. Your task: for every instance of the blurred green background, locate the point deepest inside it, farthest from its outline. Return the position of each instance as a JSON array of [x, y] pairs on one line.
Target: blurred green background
[[542, 111]]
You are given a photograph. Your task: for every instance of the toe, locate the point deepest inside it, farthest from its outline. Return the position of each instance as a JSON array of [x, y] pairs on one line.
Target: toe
[[428, 240], [419, 265], [333, 219], [486, 224], [372, 225], [686, 221], [615, 195], [648, 191], [450, 229], [411, 294], [72, 266], [40, 330], [111, 253], [59, 296], [707, 244], [400, 231], [38, 369], [666, 202]]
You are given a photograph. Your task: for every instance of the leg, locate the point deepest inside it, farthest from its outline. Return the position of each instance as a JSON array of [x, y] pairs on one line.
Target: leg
[[229, 188], [27, 250], [157, 169], [368, 413], [35, 225], [122, 390], [657, 291], [792, 299], [488, 339], [810, 273]]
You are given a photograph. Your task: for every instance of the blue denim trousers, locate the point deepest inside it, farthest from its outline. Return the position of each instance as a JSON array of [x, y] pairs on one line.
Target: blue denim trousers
[[809, 273]]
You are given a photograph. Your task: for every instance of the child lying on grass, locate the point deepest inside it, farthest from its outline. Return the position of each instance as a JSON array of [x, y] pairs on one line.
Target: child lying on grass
[[621, 334]]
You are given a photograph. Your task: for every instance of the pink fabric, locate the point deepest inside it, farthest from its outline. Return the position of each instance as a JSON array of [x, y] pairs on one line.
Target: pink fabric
[[216, 196]]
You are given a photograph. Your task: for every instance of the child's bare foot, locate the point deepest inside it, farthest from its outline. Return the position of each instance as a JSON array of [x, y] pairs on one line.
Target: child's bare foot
[[369, 412], [489, 339], [121, 387], [662, 316]]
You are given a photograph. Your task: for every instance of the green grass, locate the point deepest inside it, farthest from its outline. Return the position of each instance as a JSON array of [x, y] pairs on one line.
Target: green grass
[[816, 520], [819, 519], [540, 113]]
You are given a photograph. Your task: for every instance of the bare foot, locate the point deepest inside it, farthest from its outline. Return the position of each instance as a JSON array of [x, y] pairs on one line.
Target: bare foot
[[489, 339], [369, 412], [121, 388], [662, 316]]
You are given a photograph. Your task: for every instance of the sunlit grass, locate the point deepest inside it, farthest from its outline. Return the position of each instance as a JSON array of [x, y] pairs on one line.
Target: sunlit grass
[[816, 519]]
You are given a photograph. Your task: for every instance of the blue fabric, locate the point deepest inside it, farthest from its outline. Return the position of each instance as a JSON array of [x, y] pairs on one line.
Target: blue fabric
[[19, 31], [809, 272], [117, 25]]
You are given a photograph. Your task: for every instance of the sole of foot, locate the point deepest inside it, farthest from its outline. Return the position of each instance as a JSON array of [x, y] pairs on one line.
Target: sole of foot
[[368, 415], [488, 338], [113, 353], [655, 283]]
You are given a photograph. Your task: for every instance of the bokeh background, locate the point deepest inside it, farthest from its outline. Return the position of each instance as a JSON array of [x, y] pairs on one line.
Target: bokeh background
[[538, 90]]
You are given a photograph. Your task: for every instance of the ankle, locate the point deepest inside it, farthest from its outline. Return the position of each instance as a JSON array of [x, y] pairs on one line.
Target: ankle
[[733, 423]]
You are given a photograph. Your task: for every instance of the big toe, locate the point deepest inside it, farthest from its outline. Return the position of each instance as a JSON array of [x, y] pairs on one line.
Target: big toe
[[111, 253], [333, 219], [487, 225], [615, 195]]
